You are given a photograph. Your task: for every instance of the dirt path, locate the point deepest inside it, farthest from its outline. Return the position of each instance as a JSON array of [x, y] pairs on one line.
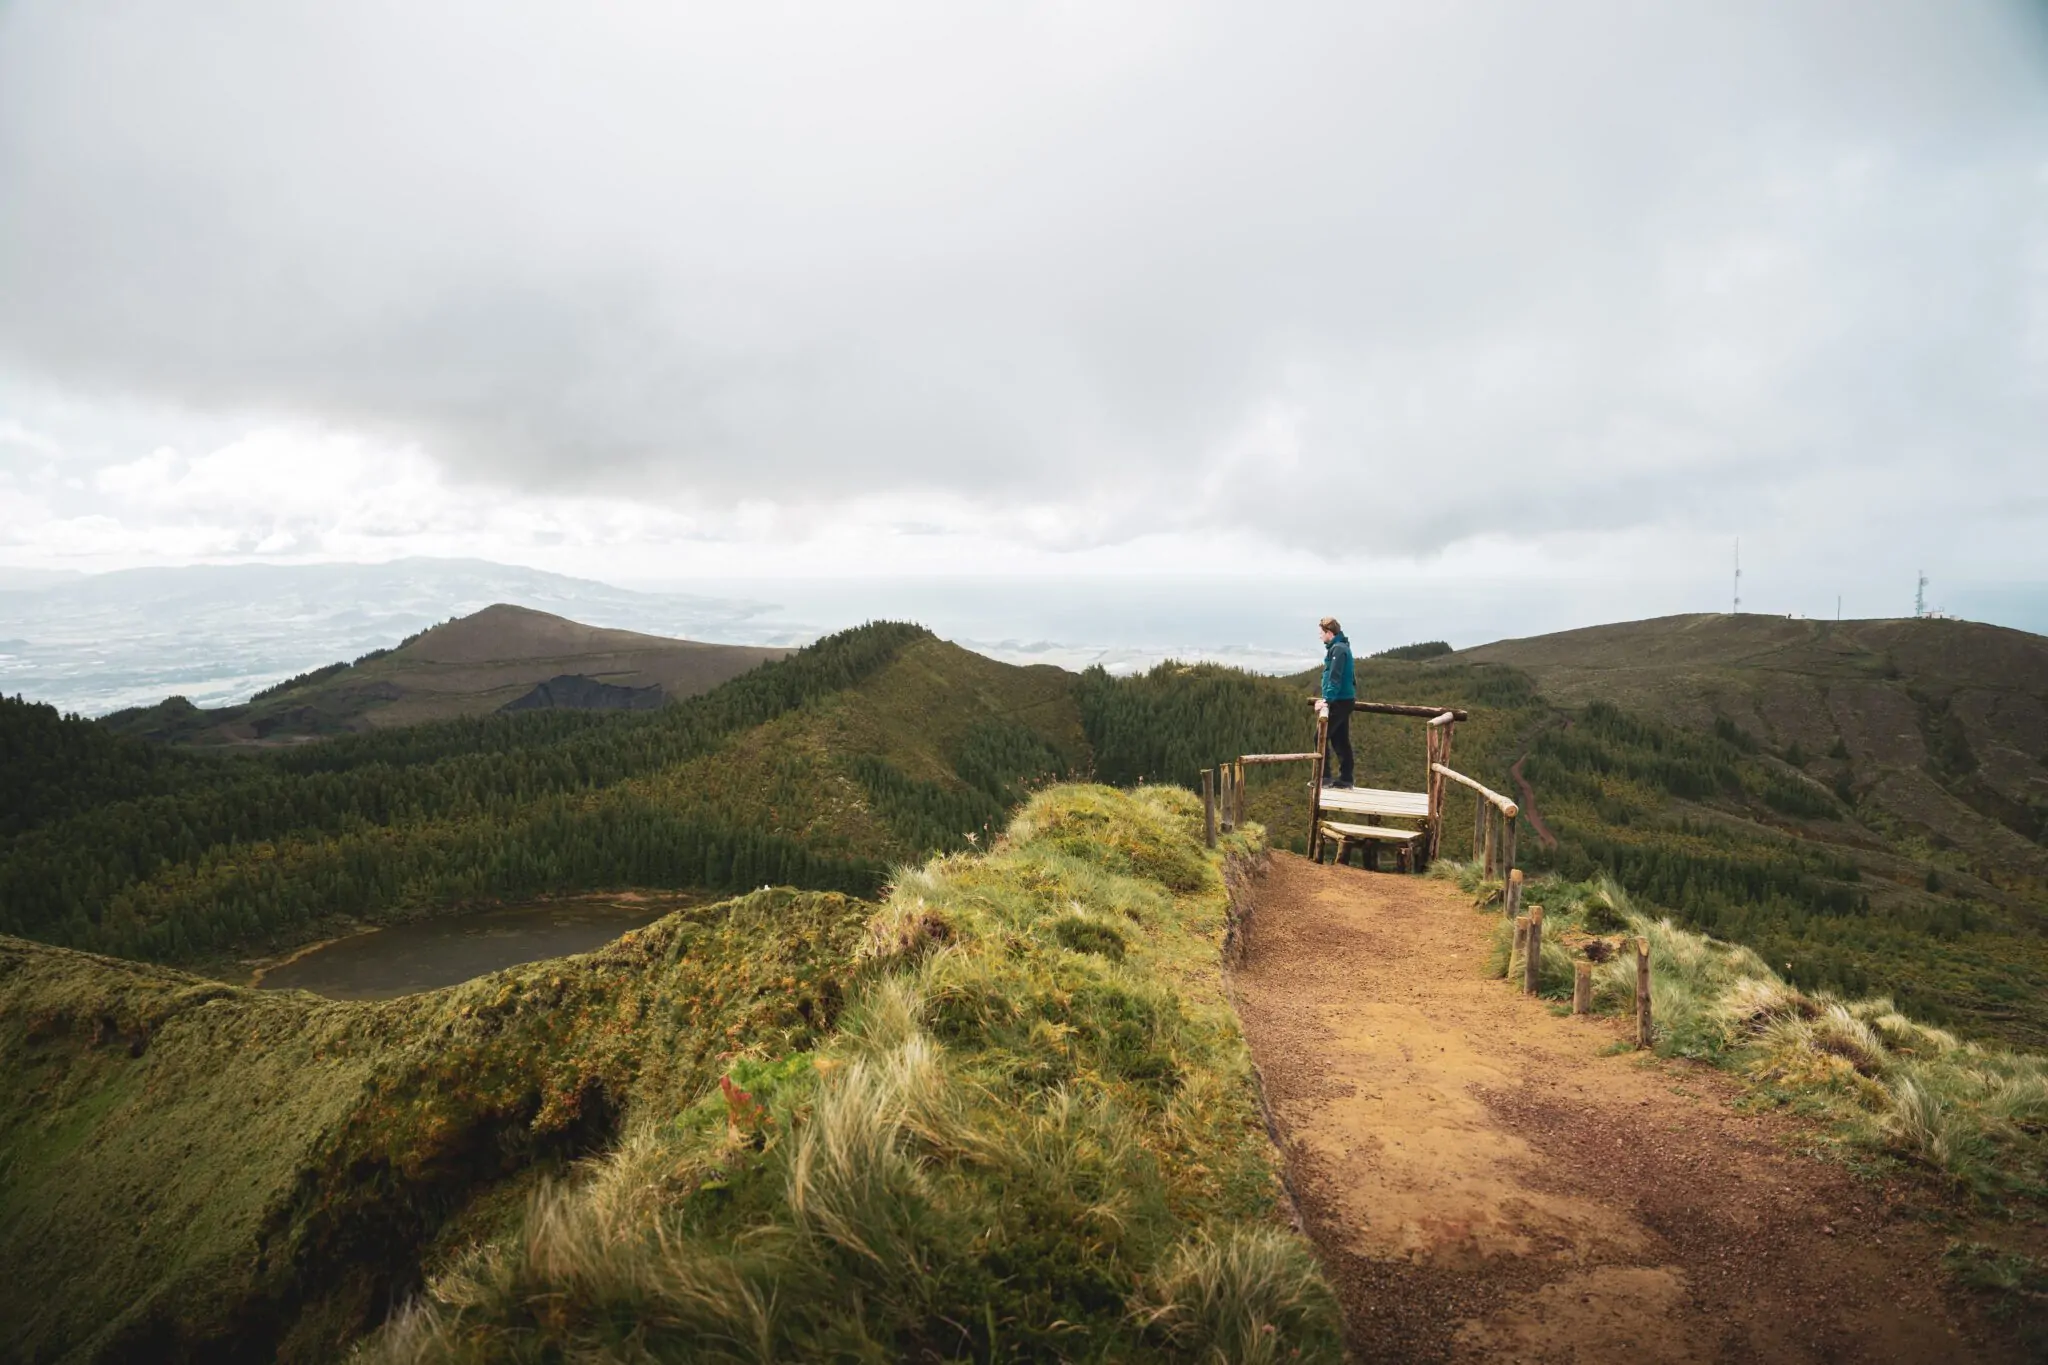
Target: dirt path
[[1482, 1184]]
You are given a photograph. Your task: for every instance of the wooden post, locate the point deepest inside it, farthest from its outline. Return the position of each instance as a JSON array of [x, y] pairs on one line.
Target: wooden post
[[1208, 808], [1511, 899], [1532, 965], [1443, 792], [1507, 845], [1521, 949], [1223, 798], [1237, 788], [1478, 828], [1582, 986], [1315, 792], [1642, 992]]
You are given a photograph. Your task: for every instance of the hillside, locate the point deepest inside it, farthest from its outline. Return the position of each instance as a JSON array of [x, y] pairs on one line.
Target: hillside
[[1940, 724], [498, 658], [805, 1136], [1864, 802], [877, 746]]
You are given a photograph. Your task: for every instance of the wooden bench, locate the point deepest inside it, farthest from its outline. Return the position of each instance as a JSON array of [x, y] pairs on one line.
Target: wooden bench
[[1367, 840]]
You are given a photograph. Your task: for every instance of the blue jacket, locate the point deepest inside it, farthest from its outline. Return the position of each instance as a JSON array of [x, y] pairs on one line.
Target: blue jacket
[[1338, 683]]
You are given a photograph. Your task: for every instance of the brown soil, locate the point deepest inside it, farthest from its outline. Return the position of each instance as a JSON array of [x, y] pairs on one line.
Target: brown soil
[[1481, 1183]]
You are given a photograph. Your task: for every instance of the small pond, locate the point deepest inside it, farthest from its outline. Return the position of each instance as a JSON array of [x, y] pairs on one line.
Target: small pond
[[426, 955]]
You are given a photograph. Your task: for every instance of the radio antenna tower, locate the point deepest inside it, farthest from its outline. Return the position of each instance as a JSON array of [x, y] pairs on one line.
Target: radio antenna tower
[[1738, 576], [1920, 596]]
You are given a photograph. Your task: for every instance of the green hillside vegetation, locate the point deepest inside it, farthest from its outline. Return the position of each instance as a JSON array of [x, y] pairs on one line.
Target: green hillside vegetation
[[1782, 784], [883, 745], [1425, 649], [468, 666], [1005, 1114], [874, 746], [1934, 732]]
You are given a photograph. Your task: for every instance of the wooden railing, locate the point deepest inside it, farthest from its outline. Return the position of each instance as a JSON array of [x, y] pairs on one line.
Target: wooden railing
[[1493, 834], [1223, 786]]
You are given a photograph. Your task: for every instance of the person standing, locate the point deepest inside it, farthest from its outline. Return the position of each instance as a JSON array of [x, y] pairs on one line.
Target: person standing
[[1340, 695]]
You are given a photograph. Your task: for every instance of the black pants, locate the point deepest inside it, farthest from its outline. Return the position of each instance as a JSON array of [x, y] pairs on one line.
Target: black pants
[[1339, 742]]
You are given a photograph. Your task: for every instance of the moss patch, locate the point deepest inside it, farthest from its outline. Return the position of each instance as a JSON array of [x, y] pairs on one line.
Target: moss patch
[[198, 1170]]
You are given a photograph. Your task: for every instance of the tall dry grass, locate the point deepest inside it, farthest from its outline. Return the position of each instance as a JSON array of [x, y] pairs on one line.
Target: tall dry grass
[[1032, 1133], [1975, 1114]]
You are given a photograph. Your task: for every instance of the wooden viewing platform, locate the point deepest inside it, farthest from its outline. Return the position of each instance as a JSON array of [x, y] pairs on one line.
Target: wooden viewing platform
[[1366, 808]]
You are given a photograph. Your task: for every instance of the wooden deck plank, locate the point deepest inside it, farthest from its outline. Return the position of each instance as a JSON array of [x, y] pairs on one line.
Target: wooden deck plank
[[1373, 801], [1383, 832]]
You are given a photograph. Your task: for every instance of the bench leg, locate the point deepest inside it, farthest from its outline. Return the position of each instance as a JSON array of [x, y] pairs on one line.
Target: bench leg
[[1371, 861]]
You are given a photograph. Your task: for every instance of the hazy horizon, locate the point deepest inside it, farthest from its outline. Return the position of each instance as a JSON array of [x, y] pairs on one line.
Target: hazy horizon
[[216, 633]]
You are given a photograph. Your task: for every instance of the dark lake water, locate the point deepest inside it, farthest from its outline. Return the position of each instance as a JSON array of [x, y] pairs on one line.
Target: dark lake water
[[408, 958]]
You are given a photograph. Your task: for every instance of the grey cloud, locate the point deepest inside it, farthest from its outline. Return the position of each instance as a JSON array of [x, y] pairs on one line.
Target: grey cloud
[[1165, 263]]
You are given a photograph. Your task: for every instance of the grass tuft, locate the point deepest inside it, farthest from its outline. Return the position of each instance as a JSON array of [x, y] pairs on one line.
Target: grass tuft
[[1251, 1297], [1976, 1114]]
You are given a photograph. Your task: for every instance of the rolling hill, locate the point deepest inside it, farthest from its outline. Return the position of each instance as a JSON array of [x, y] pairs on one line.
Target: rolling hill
[[1940, 725], [1864, 802], [876, 746], [498, 658], [1859, 802]]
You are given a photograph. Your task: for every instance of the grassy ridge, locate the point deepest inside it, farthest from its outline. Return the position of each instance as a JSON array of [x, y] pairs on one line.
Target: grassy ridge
[[1005, 1114]]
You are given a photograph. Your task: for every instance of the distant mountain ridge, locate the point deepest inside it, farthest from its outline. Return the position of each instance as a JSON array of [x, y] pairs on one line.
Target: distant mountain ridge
[[503, 657]]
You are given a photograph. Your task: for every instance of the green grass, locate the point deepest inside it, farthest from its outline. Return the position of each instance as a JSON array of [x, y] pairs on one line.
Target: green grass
[[194, 1169], [1032, 1135], [1004, 1114], [2013, 1285]]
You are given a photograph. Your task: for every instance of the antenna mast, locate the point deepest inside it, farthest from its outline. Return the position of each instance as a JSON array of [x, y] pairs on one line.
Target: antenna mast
[[1738, 576], [1920, 596]]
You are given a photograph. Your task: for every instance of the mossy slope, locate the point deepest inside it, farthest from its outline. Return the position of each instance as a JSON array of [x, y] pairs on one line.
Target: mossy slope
[[1006, 1114], [197, 1171]]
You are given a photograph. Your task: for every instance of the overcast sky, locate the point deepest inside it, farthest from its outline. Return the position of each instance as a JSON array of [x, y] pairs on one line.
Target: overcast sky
[[1572, 293]]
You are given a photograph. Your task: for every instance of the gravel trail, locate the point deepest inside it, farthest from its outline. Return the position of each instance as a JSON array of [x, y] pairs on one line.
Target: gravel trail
[[1483, 1184]]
